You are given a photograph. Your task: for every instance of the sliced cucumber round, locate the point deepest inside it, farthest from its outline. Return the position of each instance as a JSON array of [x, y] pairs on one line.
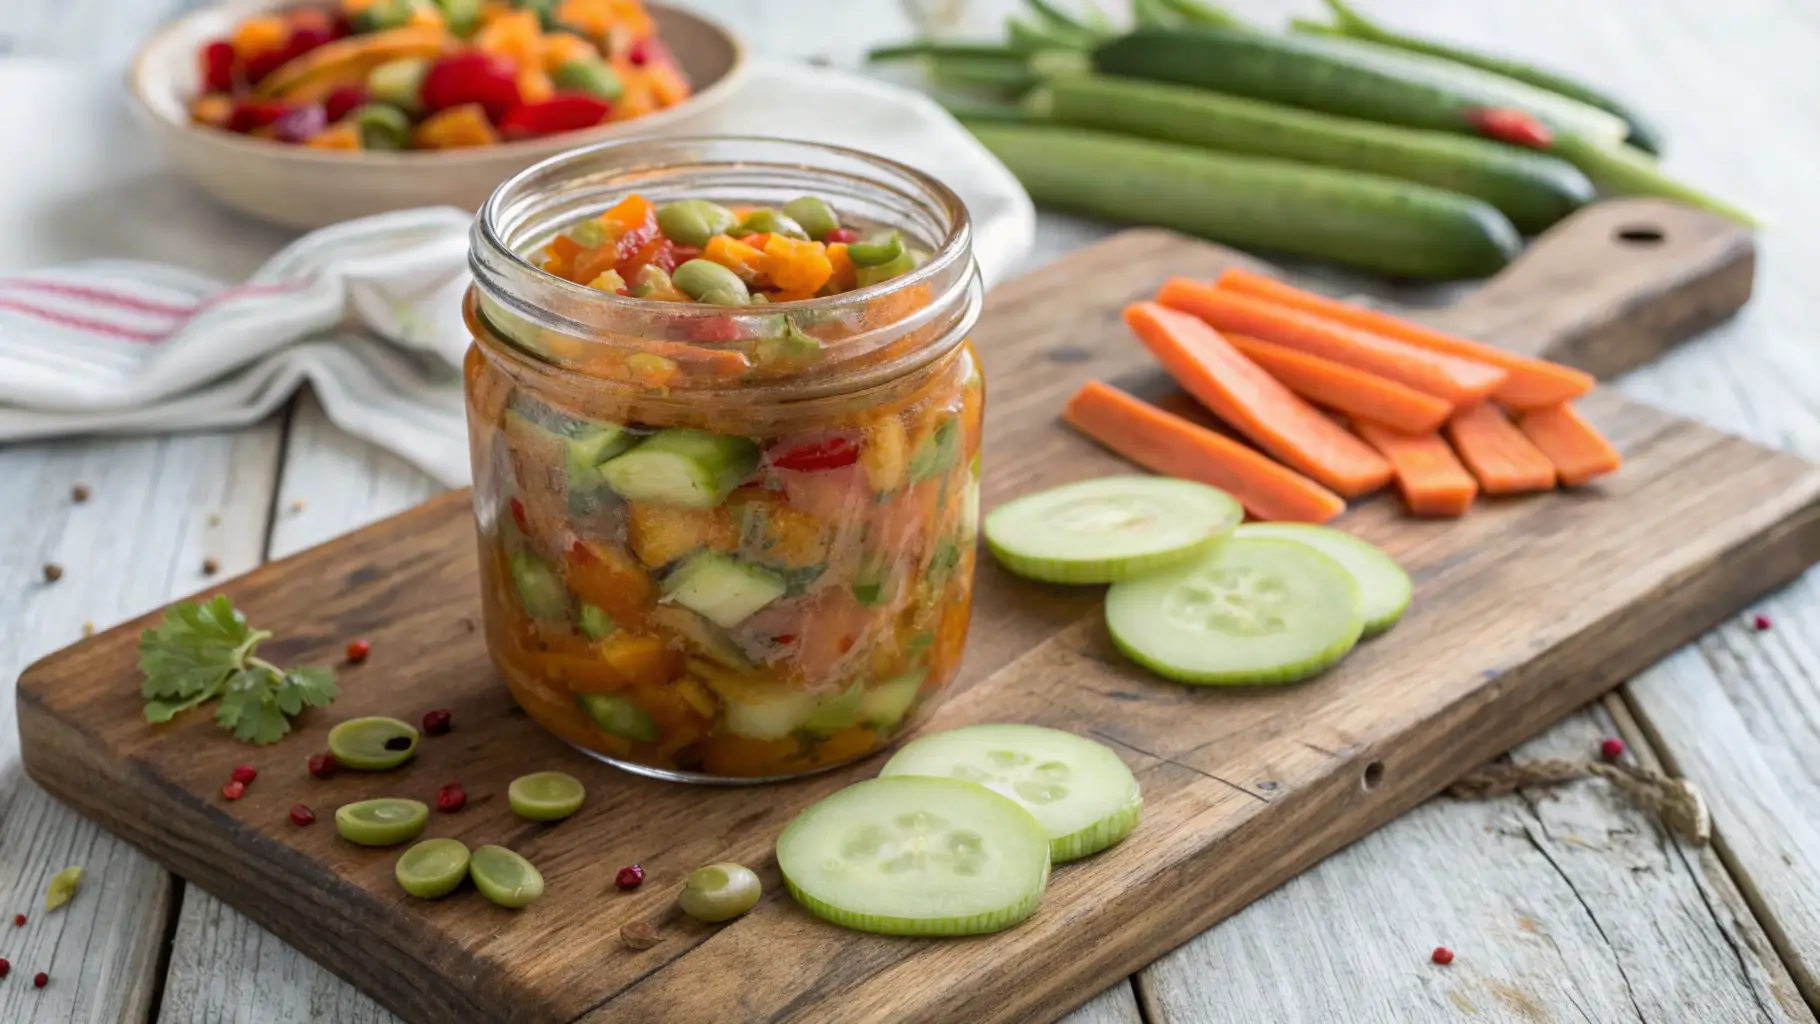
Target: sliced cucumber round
[[1082, 794], [1384, 588], [916, 856], [1109, 529], [1251, 611]]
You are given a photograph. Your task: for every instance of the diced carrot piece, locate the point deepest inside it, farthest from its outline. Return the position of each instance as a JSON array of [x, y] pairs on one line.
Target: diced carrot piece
[[336, 136], [796, 267], [643, 659], [1356, 393], [535, 85], [1504, 461], [456, 128], [1170, 445], [846, 275], [1532, 382], [1428, 473], [1459, 381], [1255, 404], [1579, 452], [606, 576], [518, 37]]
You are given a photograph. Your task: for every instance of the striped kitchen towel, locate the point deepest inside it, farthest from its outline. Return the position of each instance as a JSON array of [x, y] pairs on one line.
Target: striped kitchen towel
[[368, 312]]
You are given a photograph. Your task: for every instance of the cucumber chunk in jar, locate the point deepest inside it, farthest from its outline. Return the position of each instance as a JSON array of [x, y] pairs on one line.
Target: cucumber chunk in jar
[[728, 507]]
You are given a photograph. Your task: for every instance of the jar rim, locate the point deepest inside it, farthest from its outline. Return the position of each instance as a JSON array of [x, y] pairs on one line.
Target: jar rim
[[954, 245], [546, 198]]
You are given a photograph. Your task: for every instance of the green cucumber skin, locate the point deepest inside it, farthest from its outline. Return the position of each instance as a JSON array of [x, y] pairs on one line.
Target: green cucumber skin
[[1365, 220], [1342, 76], [1535, 191], [1642, 134]]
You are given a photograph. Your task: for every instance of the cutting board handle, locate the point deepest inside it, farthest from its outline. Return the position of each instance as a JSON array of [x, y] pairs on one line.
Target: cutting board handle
[[1613, 286]]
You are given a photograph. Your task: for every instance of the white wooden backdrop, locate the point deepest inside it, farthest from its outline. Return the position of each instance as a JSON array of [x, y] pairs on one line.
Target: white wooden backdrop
[[1561, 906]]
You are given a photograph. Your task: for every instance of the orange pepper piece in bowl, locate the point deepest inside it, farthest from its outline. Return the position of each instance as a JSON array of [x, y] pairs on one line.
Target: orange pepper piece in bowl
[[456, 127]]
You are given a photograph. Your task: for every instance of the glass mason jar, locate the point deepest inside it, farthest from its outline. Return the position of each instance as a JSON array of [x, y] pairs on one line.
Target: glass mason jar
[[672, 627]]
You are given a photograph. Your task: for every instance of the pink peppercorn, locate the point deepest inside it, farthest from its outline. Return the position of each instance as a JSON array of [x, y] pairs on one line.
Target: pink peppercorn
[[321, 765], [630, 877], [6, 967], [18, 920], [451, 798], [245, 774], [40, 980], [1611, 748], [1759, 623], [1442, 955]]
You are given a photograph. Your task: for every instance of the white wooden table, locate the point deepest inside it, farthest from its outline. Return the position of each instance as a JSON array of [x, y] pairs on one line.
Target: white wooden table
[[1562, 906]]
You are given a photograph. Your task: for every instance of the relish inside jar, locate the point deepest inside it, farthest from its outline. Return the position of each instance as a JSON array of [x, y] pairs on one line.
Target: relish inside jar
[[726, 468]]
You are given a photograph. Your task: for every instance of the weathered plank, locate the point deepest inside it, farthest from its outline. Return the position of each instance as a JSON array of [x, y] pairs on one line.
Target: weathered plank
[[223, 966], [140, 539], [1569, 903]]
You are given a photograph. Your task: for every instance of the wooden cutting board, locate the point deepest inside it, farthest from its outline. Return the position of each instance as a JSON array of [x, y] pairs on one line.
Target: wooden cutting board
[[1523, 611]]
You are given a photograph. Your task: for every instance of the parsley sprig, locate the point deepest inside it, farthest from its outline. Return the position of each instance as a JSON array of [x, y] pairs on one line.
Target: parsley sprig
[[204, 651]]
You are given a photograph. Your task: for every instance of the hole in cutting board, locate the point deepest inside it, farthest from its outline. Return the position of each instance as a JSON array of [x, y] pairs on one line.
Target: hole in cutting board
[[1641, 234], [1374, 774]]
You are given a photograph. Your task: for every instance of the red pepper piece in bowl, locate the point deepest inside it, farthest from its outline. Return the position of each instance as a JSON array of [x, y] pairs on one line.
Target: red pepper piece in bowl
[[218, 66], [342, 101], [561, 113], [471, 76], [254, 115]]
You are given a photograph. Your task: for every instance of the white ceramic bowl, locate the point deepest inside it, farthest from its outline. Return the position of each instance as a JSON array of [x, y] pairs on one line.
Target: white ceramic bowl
[[299, 187]]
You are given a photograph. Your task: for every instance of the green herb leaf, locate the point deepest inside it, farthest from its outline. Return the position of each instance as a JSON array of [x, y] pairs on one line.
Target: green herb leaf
[[193, 649], [201, 652]]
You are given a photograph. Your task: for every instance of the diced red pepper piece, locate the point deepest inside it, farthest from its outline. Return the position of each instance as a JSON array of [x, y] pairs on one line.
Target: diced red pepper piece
[[841, 236], [218, 66], [563, 113], [342, 101], [471, 76], [657, 252], [713, 329], [1505, 124], [262, 64], [831, 452], [254, 114], [305, 38]]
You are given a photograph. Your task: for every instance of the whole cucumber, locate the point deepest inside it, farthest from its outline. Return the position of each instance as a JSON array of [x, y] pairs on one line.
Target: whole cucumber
[[1365, 220], [1340, 76], [1533, 190], [1348, 21]]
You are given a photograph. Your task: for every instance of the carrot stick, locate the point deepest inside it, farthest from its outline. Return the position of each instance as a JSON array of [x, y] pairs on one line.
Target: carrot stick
[[1532, 382], [1498, 453], [1431, 478], [1578, 451], [1254, 403], [1337, 386], [1170, 445], [1459, 381]]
